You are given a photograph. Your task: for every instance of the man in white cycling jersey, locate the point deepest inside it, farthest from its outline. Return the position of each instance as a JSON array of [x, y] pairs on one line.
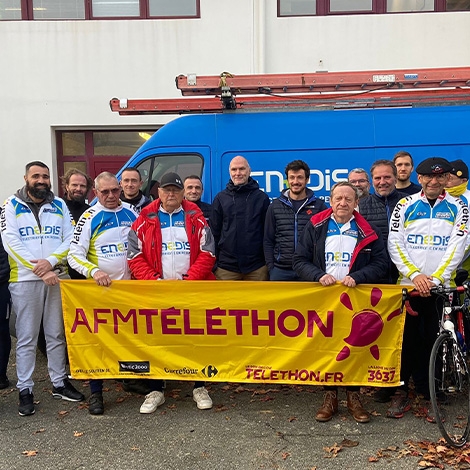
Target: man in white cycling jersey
[[428, 233], [99, 250], [36, 233]]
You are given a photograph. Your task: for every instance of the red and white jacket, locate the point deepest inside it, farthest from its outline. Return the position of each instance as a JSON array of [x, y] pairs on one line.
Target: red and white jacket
[[144, 253]]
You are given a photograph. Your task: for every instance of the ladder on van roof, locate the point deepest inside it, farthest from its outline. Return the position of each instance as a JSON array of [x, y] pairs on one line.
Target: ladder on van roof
[[318, 90]]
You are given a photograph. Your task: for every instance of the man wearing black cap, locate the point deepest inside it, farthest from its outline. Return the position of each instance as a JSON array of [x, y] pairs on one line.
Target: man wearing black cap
[[428, 233], [171, 240]]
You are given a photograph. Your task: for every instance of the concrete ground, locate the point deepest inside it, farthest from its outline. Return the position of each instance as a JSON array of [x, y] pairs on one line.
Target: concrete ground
[[249, 427]]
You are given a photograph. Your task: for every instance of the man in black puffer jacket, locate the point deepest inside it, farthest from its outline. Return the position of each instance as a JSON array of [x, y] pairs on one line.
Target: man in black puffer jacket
[[377, 209], [286, 219], [238, 214], [378, 206]]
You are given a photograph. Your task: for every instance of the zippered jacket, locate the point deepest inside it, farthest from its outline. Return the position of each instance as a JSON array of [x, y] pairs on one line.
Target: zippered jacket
[[238, 215], [144, 252], [368, 261], [427, 239], [283, 227], [100, 241], [378, 210], [31, 231]]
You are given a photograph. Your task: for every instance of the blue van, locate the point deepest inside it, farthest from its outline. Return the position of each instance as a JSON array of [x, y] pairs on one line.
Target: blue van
[[332, 142]]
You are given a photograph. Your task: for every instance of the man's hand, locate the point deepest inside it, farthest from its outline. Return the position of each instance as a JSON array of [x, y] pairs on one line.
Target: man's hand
[[102, 279], [50, 278], [327, 280], [348, 281], [42, 267], [423, 285]]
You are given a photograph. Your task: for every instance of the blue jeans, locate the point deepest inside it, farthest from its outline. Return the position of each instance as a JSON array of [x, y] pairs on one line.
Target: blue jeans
[[278, 274]]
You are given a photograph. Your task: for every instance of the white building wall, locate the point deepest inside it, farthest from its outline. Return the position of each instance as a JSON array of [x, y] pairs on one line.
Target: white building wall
[[62, 74]]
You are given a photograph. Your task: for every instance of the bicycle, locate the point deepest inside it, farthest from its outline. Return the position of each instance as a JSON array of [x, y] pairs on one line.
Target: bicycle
[[449, 380]]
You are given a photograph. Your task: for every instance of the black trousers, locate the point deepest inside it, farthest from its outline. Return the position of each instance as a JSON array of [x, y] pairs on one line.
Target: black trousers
[[5, 339], [418, 338]]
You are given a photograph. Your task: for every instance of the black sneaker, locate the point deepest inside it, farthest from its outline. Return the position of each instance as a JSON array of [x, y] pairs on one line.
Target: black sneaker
[[384, 394], [26, 406], [67, 392], [4, 382], [95, 404]]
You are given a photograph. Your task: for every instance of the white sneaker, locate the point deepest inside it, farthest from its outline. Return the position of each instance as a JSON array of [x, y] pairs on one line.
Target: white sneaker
[[202, 398], [152, 401]]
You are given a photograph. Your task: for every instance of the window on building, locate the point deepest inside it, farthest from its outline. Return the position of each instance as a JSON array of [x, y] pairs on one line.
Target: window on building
[[297, 7], [115, 8], [58, 9], [457, 5], [410, 5], [10, 9], [338, 7], [97, 9], [97, 151], [350, 5]]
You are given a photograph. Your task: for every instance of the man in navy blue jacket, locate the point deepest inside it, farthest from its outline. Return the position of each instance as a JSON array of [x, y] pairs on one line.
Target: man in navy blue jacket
[[339, 245], [238, 215], [286, 219]]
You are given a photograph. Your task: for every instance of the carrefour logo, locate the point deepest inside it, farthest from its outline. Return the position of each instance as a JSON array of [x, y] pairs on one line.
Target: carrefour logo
[[35, 230], [114, 248], [428, 240], [338, 256]]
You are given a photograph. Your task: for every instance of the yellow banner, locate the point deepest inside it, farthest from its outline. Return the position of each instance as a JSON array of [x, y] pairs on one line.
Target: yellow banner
[[228, 331]]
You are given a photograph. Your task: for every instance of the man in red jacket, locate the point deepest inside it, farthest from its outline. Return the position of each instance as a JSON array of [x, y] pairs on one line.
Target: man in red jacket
[[171, 240]]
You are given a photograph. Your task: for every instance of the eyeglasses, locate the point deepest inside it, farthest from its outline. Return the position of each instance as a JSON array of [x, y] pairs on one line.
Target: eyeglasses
[[440, 178], [171, 190], [107, 192], [362, 181]]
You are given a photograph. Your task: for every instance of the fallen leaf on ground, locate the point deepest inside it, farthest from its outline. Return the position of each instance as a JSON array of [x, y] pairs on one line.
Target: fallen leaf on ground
[[30, 453], [77, 434], [348, 443]]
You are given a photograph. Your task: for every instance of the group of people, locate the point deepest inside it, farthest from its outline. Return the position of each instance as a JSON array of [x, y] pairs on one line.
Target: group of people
[[382, 229]]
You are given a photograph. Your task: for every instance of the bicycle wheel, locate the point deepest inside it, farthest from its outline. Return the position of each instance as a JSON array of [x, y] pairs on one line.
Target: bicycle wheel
[[449, 386]]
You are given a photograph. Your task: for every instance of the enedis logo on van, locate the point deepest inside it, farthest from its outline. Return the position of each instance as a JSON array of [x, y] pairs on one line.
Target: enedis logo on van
[[34, 230], [427, 240]]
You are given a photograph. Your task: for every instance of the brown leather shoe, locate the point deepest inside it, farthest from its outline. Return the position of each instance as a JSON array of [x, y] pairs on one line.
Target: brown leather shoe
[[329, 407], [356, 409]]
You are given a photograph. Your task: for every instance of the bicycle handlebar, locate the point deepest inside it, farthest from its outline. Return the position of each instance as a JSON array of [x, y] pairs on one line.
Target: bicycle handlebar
[[439, 290]]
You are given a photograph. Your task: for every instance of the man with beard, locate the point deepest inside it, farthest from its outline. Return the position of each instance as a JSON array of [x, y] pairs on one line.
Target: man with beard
[[378, 206], [76, 186], [131, 182], [404, 163], [359, 178], [238, 214], [285, 220], [36, 232]]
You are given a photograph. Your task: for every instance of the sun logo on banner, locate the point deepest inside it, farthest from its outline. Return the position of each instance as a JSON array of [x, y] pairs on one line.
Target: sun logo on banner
[[366, 325]]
